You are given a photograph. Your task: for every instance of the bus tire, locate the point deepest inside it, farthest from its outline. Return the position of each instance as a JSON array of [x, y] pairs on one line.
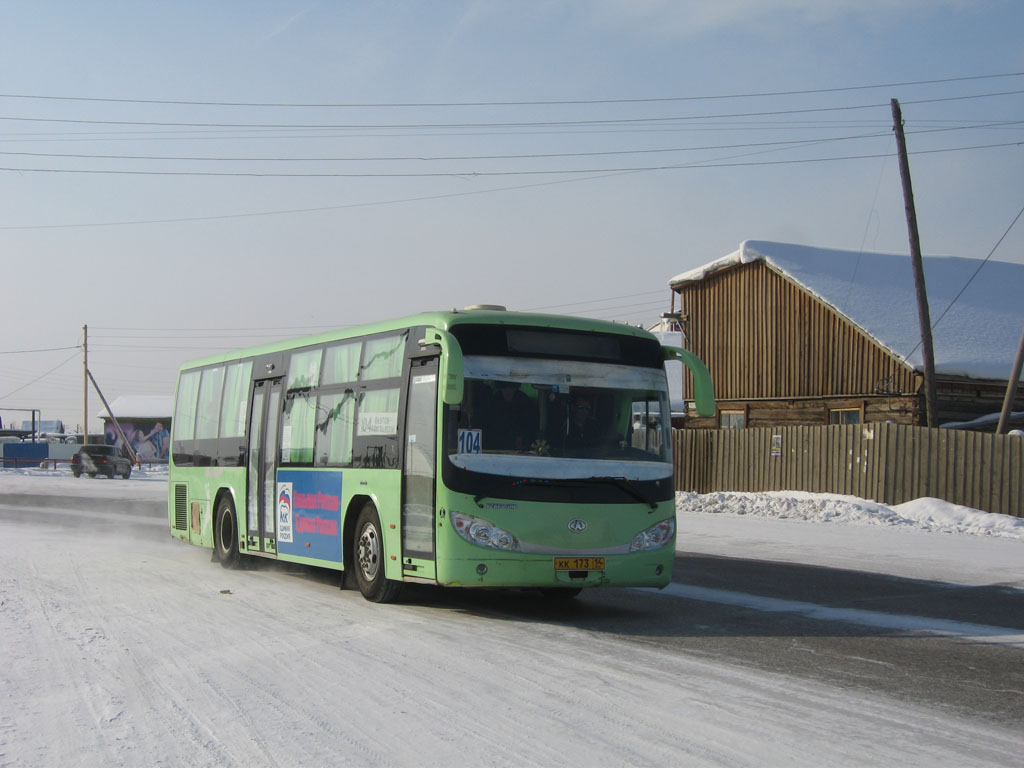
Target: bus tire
[[225, 534], [368, 559]]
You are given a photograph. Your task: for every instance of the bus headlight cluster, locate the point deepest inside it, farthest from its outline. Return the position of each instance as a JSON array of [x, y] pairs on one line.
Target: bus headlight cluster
[[478, 531], [658, 535]]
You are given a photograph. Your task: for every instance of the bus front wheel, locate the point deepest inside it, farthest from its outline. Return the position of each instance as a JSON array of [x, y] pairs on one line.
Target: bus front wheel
[[225, 534], [368, 559]]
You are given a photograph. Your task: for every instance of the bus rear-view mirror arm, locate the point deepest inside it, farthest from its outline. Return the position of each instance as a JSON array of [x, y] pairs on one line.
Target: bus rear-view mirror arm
[[450, 371], [703, 391]]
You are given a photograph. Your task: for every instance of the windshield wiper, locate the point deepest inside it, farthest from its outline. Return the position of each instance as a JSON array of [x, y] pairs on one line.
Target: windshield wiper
[[627, 487]]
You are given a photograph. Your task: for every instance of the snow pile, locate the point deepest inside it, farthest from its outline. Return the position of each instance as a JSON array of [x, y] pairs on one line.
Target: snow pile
[[937, 515], [925, 514]]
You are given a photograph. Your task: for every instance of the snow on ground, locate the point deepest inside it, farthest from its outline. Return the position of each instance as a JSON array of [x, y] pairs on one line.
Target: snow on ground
[[926, 514], [922, 539], [132, 649], [144, 485]]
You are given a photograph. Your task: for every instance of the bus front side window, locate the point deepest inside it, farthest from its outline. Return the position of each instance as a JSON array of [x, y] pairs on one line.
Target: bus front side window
[[208, 411], [184, 422]]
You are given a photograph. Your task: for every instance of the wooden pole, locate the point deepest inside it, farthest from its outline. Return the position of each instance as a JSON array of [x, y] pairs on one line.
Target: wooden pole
[[85, 385], [927, 351], [124, 438], [1011, 388]]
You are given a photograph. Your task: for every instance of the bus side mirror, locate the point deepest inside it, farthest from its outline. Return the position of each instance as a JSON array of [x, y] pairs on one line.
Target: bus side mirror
[[450, 370], [703, 390]]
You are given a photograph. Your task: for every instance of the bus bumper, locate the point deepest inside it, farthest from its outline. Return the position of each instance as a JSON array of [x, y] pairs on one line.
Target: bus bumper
[[636, 569]]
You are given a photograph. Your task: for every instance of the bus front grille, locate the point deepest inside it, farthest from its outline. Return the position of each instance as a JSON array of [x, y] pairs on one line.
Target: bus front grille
[[180, 507]]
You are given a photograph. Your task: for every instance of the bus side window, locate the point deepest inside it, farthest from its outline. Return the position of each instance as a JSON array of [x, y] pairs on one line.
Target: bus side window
[[335, 423], [376, 439], [297, 432]]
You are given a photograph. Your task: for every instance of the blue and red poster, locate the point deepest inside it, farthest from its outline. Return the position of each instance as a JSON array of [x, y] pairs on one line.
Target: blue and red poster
[[309, 514]]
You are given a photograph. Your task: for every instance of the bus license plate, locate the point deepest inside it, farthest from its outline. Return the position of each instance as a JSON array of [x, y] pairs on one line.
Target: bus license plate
[[579, 563]]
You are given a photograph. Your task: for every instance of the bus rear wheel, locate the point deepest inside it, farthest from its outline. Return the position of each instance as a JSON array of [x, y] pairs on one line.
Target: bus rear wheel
[[225, 534], [368, 559]]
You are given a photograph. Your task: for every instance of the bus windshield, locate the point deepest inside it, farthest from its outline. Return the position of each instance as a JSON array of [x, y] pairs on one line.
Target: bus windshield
[[556, 419]]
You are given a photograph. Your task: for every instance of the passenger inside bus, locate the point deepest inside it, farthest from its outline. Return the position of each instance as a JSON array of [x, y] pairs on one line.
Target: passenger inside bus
[[505, 414], [512, 420]]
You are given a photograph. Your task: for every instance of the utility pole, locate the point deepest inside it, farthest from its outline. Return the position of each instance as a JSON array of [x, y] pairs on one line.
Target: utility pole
[[1011, 389], [85, 384], [927, 351], [124, 438]]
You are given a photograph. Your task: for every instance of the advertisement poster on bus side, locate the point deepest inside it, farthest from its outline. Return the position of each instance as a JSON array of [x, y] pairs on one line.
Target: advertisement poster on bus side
[[309, 514]]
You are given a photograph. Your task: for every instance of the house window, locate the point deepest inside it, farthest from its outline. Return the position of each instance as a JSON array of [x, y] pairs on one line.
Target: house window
[[844, 416], [732, 419]]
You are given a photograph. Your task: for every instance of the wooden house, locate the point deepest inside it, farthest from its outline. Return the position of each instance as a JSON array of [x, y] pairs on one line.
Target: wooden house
[[799, 335]]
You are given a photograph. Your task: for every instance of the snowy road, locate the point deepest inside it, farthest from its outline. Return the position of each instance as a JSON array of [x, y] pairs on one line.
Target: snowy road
[[122, 646]]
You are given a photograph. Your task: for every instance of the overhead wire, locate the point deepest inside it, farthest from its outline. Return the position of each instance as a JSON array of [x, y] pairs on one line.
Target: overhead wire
[[517, 156], [970, 279], [425, 158], [803, 92], [506, 124], [479, 174], [864, 237], [38, 378], [30, 351]]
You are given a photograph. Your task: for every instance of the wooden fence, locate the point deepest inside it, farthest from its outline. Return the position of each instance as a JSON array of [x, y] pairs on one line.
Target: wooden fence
[[889, 463]]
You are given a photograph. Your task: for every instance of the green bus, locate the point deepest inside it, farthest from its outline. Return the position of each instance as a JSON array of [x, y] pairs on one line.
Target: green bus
[[468, 448]]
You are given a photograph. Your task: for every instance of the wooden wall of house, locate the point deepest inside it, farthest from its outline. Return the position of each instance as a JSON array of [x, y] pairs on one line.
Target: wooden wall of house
[[962, 400], [764, 337], [815, 411]]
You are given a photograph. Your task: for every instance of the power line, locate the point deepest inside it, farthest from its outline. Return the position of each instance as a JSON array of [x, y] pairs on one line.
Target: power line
[[38, 378], [214, 330], [420, 198], [266, 331], [864, 237], [705, 126], [318, 209], [520, 124], [970, 279], [511, 103], [592, 301], [479, 174], [425, 158], [518, 156], [983, 263], [29, 351]]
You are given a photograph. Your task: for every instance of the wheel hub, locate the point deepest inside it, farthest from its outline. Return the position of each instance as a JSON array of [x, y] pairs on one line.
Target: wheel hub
[[369, 552]]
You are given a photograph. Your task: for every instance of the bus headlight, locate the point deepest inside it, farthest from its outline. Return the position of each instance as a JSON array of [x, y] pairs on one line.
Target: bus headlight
[[478, 531], [658, 535]]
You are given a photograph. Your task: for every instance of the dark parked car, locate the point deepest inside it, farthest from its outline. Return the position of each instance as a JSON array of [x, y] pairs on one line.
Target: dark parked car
[[100, 460]]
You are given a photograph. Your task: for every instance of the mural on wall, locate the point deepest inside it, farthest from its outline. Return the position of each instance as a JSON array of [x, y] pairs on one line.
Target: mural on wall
[[149, 439]]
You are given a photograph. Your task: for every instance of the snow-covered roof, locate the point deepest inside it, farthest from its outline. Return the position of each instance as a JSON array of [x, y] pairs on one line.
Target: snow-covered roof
[[140, 407], [977, 337]]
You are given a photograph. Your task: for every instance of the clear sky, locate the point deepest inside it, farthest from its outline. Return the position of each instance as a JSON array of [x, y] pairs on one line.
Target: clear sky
[[191, 177]]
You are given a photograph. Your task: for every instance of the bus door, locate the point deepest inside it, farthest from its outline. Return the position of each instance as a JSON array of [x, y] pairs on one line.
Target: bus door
[[261, 474], [418, 470]]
